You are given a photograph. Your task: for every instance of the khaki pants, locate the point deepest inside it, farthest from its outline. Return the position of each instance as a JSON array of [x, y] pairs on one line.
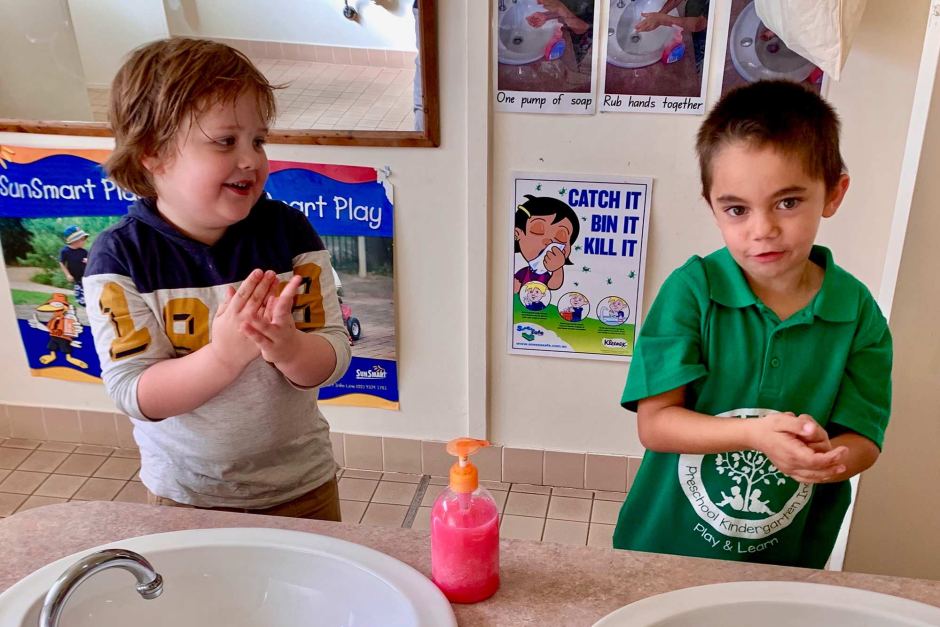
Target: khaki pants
[[320, 504]]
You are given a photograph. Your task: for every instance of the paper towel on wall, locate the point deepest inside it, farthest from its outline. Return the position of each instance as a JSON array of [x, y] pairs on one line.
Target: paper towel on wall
[[820, 30]]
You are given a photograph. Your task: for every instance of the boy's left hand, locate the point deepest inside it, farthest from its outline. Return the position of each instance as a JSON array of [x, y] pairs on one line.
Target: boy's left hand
[[273, 328]]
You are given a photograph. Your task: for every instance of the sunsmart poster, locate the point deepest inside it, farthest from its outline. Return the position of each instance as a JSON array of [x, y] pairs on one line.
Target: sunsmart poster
[[54, 203], [578, 264]]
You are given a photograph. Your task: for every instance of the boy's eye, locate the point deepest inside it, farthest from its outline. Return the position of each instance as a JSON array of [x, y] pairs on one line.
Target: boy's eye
[[225, 141], [789, 203], [736, 211], [260, 141]]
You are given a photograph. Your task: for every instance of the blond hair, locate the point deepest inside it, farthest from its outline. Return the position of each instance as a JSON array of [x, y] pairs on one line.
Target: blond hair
[[160, 86]]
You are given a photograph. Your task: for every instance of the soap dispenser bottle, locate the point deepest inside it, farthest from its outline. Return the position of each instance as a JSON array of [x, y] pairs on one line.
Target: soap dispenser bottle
[[465, 531]]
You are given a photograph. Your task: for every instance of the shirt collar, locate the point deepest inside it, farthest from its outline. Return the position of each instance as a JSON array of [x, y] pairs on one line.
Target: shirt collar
[[835, 302]]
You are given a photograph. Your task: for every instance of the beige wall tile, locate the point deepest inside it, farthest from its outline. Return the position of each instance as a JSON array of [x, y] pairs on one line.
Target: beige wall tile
[[378, 58], [341, 55], [633, 465], [422, 521], [522, 465], [99, 428], [605, 512], [384, 515], [521, 504], [58, 447], [118, 468], [434, 459], [4, 422], [359, 56], [564, 469], [565, 532], [605, 472], [99, 490], [22, 482], [125, 431], [42, 461], [489, 462], [601, 535], [339, 448], [21, 443], [324, 54], [363, 451], [133, 492], [62, 425], [568, 508], [394, 493], [352, 511], [402, 455], [521, 527], [60, 486], [10, 458], [81, 465], [40, 501], [431, 494], [9, 503], [356, 489], [26, 422]]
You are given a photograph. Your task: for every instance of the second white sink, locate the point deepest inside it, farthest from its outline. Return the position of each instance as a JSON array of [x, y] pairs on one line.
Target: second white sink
[[242, 578]]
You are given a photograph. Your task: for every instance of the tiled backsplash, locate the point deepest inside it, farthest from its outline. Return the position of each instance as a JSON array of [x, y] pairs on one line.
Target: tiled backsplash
[[323, 54], [590, 471]]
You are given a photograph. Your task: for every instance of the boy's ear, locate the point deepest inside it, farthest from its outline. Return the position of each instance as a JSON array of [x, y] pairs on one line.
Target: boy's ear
[[835, 196], [152, 163]]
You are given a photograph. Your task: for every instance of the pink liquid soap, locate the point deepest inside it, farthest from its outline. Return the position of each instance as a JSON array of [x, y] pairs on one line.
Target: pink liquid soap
[[465, 545]]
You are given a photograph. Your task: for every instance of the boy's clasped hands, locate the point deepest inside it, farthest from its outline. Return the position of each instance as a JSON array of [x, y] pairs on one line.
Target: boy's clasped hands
[[798, 447], [256, 320]]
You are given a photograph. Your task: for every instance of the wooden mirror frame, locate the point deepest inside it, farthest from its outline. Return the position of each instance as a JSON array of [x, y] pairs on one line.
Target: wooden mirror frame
[[429, 137]]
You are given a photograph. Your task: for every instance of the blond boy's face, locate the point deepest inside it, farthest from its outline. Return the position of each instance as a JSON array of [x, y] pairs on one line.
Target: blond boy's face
[[768, 210], [217, 171]]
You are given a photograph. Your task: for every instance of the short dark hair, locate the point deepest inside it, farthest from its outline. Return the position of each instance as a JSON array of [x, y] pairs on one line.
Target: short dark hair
[[160, 86], [546, 206], [780, 114]]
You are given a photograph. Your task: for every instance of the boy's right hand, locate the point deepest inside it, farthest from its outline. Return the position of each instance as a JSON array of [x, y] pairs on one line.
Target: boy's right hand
[[798, 447], [231, 346]]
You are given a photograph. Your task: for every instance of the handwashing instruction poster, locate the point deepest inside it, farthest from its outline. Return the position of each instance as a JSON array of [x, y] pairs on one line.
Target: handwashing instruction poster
[[54, 203], [546, 54], [657, 58], [578, 264]]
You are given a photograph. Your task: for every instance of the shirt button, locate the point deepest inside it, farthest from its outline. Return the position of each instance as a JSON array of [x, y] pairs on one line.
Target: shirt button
[[774, 363]]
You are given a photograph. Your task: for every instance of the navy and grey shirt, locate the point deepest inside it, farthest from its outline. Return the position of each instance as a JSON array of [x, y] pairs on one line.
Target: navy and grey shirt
[[152, 293]]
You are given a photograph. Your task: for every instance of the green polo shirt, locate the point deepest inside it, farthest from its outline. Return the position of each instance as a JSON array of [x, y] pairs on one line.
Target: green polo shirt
[[708, 331]]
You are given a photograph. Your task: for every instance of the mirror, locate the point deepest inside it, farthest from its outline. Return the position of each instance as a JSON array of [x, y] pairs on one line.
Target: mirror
[[357, 72]]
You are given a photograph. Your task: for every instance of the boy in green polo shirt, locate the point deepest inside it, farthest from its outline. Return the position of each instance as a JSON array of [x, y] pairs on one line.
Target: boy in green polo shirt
[[761, 377]]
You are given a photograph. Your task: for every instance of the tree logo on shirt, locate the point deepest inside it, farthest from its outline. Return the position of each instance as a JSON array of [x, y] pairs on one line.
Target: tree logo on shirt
[[741, 494]]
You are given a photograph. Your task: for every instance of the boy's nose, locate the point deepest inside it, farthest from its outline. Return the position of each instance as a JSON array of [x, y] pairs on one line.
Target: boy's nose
[[765, 226]]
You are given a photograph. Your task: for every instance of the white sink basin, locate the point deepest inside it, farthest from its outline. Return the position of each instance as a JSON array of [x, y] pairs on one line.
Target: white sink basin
[[241, 578], [758, 59], [518, 41], [773, 604], [626, 47]]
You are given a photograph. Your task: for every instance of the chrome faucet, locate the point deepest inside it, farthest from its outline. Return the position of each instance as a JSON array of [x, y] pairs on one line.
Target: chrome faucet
[[502, 5], [621, 4], [149, 581]]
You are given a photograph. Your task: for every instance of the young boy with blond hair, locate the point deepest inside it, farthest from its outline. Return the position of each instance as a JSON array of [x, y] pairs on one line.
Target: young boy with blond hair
[[213, 308], [762, 375]]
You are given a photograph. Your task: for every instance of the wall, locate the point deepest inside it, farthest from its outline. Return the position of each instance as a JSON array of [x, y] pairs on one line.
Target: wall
[[107, 29], [431, 198], [298, 21], [35, 41], [452, 255], [894, 531], [572, 405]]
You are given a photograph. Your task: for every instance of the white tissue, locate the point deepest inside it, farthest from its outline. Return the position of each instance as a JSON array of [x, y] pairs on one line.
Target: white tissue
[[538, 264], [819, 30]]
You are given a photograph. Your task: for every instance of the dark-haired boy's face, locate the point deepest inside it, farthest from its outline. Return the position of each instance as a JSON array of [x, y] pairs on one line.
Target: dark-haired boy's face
[[768, 209], [541, 231]]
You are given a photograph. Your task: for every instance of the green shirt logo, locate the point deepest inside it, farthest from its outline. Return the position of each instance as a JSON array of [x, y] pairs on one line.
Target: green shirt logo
[[741, 494]]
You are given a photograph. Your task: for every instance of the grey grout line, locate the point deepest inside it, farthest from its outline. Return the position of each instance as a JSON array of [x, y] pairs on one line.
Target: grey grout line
[[416, 501]]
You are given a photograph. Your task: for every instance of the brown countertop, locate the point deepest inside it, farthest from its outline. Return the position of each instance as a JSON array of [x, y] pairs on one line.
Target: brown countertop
[[542, 583]]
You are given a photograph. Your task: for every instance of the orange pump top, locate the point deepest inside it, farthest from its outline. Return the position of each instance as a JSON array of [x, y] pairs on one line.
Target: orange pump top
[[463, 475]]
